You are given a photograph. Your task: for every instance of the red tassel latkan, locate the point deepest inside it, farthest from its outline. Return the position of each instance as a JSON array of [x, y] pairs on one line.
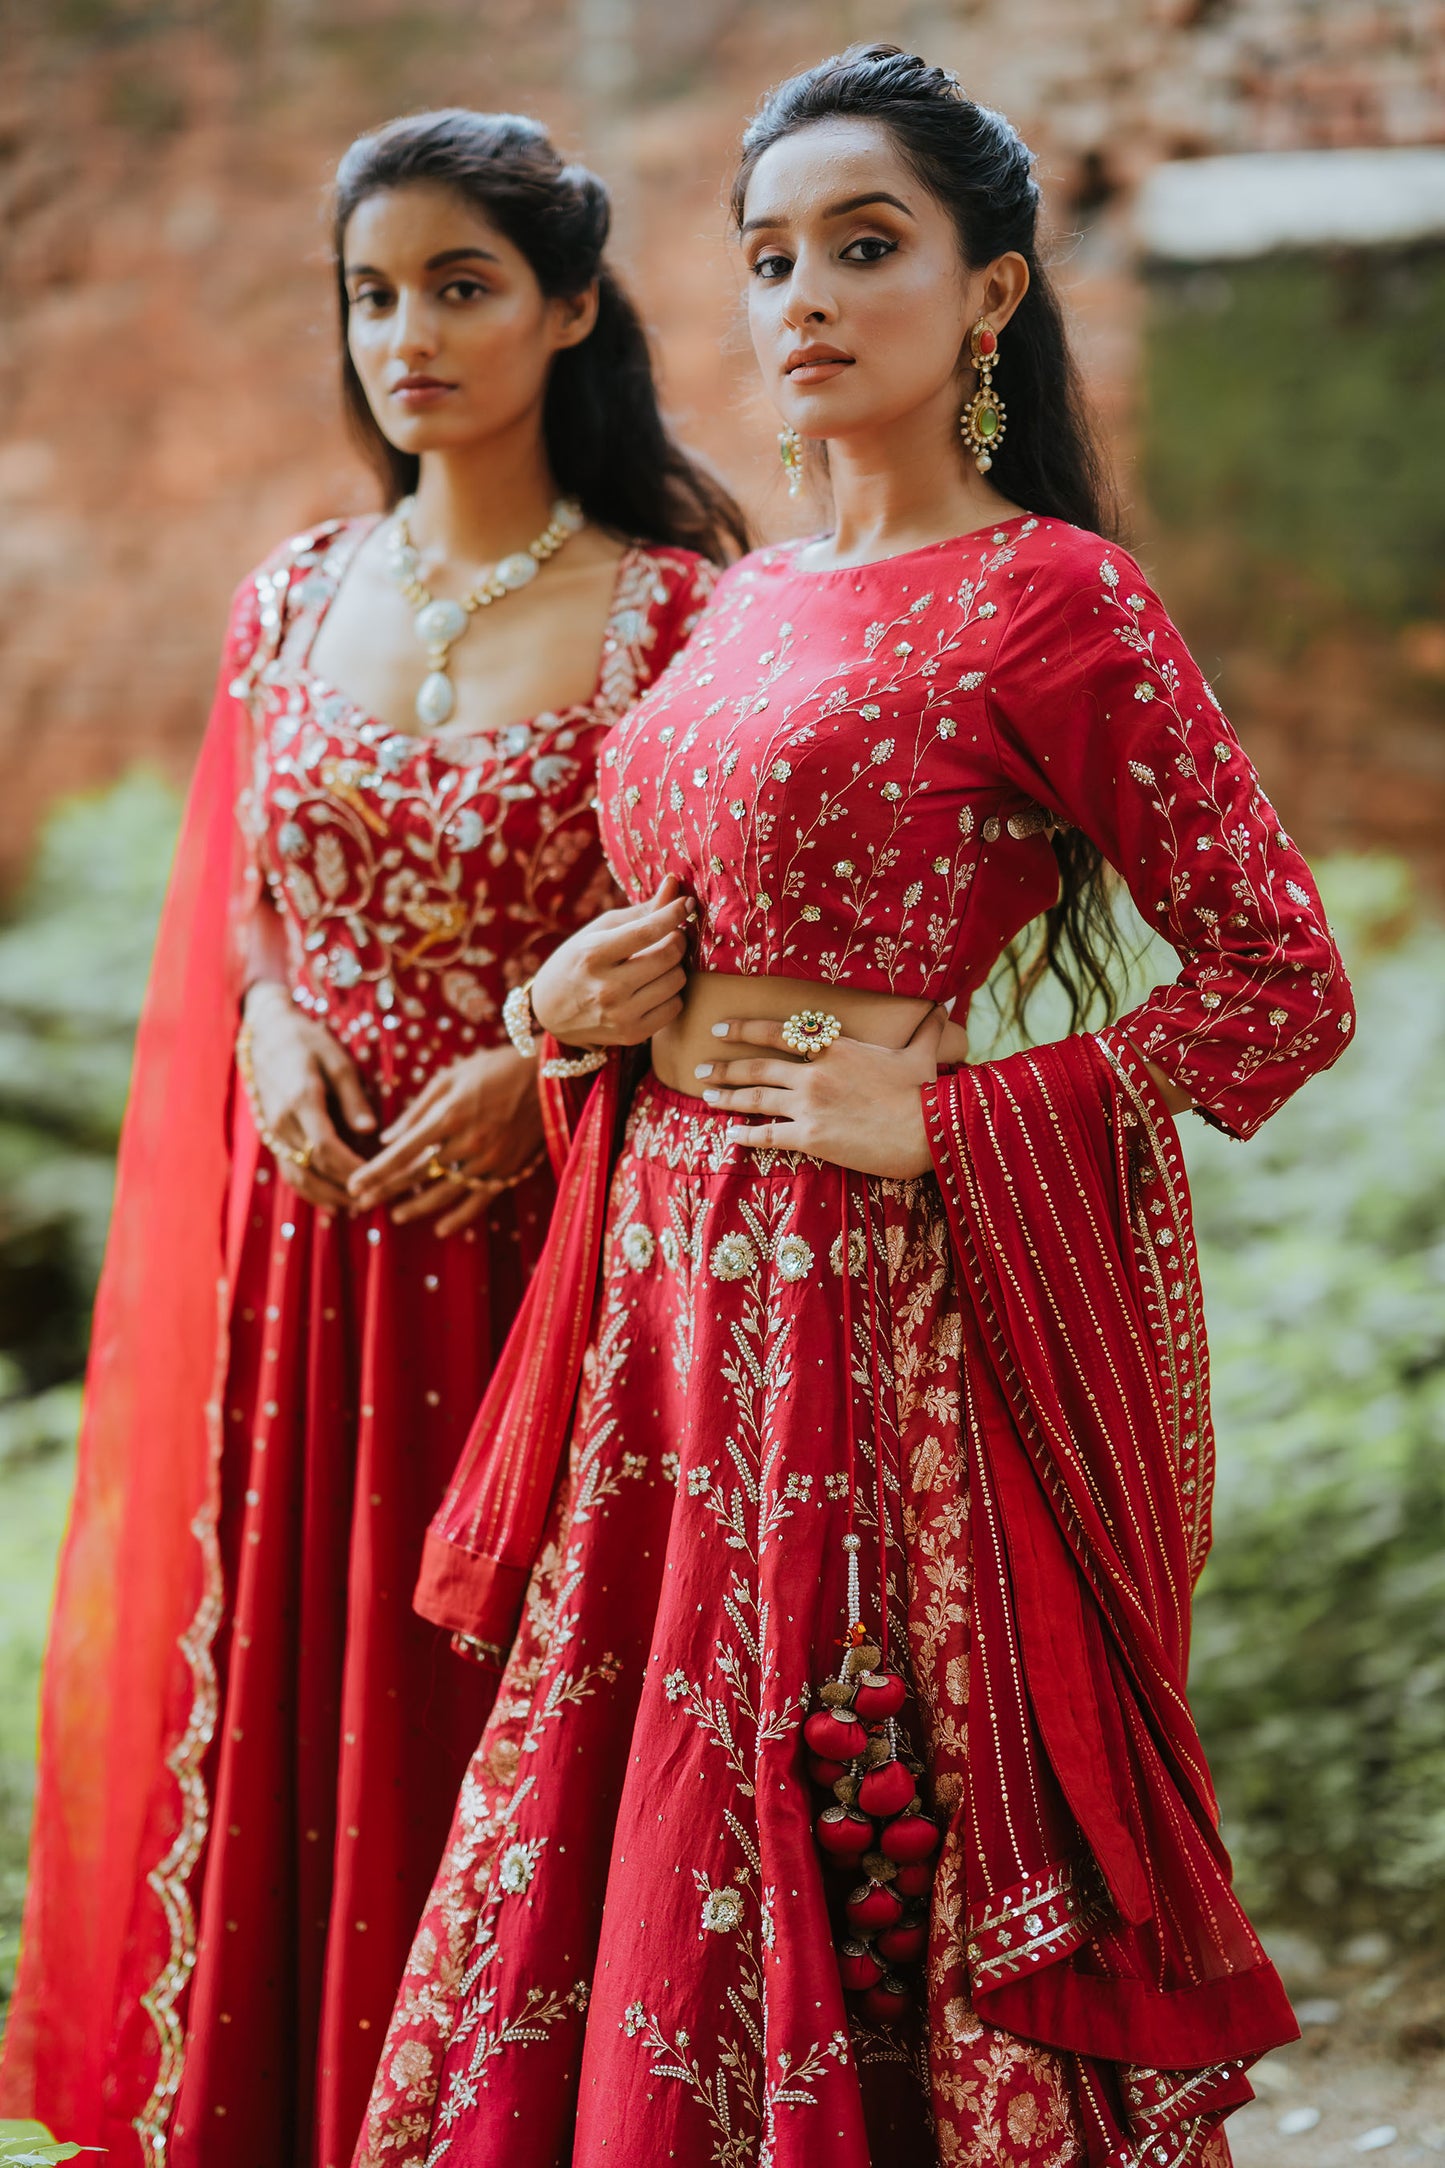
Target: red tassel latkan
[[876, 1820]]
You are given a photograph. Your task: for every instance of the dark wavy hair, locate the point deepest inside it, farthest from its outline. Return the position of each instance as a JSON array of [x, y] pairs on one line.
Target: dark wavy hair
[[606, 439], [974, 163]]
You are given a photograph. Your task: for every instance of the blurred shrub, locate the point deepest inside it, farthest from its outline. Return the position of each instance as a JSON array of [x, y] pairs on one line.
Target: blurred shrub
[[1319, 1656], [1296, 405], [74, 951]]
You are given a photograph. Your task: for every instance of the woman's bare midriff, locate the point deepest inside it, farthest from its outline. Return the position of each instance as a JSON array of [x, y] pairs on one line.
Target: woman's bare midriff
[[715, 997]]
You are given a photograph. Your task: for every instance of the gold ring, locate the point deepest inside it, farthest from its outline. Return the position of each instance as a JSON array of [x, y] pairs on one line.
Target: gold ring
[[301, 1160], [435, 1171], [810, 1032]]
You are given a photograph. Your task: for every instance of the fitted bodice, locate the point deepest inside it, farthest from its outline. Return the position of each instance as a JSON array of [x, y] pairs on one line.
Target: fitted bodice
[[419, 878], [857, 774]]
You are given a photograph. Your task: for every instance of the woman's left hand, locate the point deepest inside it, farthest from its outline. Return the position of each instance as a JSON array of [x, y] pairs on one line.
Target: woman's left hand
[[481, 1118], [855, 1105]]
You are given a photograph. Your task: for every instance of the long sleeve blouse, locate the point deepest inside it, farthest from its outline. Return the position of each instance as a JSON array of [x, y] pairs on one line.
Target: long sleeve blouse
[[856, 773]]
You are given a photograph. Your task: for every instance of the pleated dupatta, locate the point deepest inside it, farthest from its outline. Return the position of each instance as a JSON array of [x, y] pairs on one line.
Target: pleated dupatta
[[1096, 1904], [95, 2038]]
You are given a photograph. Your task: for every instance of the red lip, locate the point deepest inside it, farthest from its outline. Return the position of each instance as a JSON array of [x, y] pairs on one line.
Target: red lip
[[421, 391], [814, 357]]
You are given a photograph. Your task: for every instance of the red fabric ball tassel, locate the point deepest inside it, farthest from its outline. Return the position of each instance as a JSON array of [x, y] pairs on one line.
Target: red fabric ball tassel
[[905, 1943], [888, 2002], [879, 1695], [835, 1734], [844, 1833], [859, 1967], [873, 1905], [910, 1837], [886, 1790]]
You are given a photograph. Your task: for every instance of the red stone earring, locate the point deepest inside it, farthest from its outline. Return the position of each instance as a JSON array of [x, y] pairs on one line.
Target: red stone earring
[[982, 422]]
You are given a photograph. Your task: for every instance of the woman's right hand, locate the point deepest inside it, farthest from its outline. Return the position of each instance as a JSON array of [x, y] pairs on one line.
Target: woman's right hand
[[298, 1070], [620, 979]]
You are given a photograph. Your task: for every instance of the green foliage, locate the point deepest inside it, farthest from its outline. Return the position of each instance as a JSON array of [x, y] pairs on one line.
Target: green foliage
[[30, 2145], [1319, 1656], [1296, 406], [73, 959]]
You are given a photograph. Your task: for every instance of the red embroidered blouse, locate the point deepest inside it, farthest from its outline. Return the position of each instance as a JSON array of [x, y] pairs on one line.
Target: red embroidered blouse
[[854, 773]]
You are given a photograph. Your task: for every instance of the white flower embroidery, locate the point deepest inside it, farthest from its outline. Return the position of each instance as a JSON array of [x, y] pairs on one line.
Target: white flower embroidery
[[675, 1685], [793, 1257], [1295, 893], [1107, 574], [870, 711], [670, 1465], [844, 869], [634, 2017], [698, 1480], [733, 1258], [671, 1248], [638, 1245], [892, 792], [857, 1252], [781, 770], [722, 1910], [882, 749], [515, 1869]]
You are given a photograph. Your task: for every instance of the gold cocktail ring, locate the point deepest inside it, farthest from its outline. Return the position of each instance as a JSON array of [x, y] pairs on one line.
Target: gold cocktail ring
[[810, 1032], [435, 1171]]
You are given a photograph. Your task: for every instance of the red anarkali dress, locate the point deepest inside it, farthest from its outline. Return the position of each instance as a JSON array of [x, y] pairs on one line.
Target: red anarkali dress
[[628, 1954], [298, 1760]]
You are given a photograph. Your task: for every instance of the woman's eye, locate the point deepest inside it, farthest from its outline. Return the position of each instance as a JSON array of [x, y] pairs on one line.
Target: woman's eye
[[370, 297], [463, 289], [868, 248], [771, 267]]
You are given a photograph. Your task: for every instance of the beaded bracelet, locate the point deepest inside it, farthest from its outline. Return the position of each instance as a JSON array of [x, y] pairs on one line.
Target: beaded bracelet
[[520, 1019]]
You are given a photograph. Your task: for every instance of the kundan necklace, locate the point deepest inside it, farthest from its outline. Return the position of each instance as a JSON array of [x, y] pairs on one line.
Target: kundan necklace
[[439, 621]]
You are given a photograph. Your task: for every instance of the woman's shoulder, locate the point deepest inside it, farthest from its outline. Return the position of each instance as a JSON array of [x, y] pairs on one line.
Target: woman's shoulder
[[303, 551], [1062, 558]]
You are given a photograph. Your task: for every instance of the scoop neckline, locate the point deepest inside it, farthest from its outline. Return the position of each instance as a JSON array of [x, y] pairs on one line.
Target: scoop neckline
[[363, 720], [790, 550]]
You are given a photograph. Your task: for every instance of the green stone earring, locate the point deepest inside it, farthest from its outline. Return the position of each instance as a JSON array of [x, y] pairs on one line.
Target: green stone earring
[[982, 422]]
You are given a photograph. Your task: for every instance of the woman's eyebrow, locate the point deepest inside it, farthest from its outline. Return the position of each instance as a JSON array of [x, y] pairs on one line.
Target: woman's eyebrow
[[835, 210], [433, 263]]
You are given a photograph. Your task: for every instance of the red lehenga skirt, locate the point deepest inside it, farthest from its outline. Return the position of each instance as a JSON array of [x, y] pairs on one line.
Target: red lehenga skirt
[[357, 1352], [628, 1953]]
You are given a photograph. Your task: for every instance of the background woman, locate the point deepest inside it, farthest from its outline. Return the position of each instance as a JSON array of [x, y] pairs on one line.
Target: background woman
[[250, 1746], [866, 1311]]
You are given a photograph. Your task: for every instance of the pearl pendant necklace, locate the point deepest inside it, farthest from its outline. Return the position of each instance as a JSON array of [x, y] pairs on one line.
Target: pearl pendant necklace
[[440, 622]]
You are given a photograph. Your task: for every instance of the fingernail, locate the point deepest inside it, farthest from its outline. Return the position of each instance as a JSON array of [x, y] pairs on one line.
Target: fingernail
[[691, 912], [364, 1121], [719, 1031], [704, 1068], [712, 1098]]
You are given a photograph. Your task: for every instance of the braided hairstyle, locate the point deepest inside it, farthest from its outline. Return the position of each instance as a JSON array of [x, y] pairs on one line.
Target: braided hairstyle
[[606, 440], [976, 165]]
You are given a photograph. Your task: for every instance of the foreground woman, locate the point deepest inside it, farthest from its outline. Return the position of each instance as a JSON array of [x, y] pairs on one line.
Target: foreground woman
[[841, 1801], [251, 1744]]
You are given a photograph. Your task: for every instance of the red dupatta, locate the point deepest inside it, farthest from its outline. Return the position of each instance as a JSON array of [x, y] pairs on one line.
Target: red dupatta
[[1097, 1908], [484, 1537], [129, 1697]]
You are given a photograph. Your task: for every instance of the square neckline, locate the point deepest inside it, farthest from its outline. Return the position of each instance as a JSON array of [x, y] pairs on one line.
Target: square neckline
[[363, 720]]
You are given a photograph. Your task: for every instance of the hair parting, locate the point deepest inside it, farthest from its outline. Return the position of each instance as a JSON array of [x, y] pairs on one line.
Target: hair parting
[[974, 162], [607, 442]]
